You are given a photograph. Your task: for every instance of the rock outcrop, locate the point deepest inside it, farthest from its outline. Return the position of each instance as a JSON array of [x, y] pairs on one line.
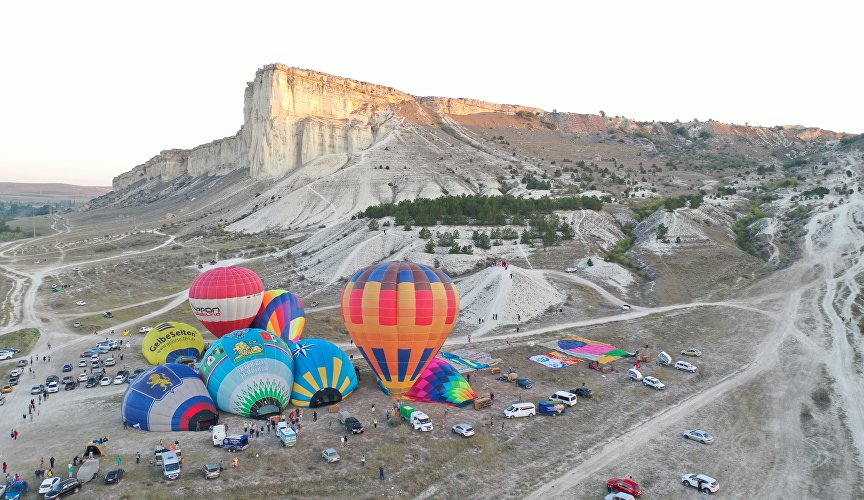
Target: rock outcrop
[[293, 116]]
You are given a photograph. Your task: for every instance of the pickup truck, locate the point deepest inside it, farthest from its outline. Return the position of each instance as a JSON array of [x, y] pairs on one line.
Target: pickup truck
[[417, 419]]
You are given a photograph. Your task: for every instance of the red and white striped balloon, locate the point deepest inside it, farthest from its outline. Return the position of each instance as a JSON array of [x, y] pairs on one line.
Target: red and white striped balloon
[[226, 299]]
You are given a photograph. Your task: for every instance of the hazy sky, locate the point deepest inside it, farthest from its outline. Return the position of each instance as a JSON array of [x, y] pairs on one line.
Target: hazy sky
[[90, 89]]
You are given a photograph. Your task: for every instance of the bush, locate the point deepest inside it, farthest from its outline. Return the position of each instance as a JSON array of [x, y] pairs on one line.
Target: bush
[[821, 398], [373, 224]]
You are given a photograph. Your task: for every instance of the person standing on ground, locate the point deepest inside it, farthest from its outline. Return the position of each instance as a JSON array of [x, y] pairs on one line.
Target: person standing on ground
[[235, 462], [137, 457], [51, 461], [381, 473], [4, 467], [314, 416], [375, 423], [71, 470], [118, 461]]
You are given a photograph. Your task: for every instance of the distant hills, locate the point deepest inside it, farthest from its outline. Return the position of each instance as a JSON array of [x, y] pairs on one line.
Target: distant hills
[[49, 192]]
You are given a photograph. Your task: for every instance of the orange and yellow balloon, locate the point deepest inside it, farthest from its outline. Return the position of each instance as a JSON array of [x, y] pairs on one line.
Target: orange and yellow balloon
[[399, 315]]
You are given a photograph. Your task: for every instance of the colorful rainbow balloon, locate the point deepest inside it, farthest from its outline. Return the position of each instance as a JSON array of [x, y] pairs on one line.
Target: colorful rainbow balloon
[[281, 313], [399, 314]]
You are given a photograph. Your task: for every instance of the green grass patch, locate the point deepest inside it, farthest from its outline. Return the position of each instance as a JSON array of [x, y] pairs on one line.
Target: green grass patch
[[23, 340]]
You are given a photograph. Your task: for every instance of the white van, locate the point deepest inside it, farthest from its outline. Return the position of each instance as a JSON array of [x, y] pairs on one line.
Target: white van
[[565, 397], [517, 410], [218, 433]]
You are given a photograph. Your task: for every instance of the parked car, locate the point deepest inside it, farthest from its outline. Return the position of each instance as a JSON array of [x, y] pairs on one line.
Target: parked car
[[95, 363], [570, 270], [582, 392], [16, 372], [105, 381], [6, 355], [6, 389], [16, 490], [37, 389], [21, 363], [314, 303], [91, 382], [81, 303], [101, 349], [47, 484], [625, 307], [134, 374], [82, 377], [699, 435], [2, 402], [524, 382], [330, 455], [76, 269], [144, 329], [52, 387], [67, 379], [114, 476], [628, 486], [88, 353], [685, 366], [51, 378], [691, 352], [67, 367], [82, 363], [70, 386], [110, 362], [701, 482], [619, 495], [13, 380], [654, 383], [120, 379], [63, 488], [464, 430], [76, 324], [211, 471], [108, 314]]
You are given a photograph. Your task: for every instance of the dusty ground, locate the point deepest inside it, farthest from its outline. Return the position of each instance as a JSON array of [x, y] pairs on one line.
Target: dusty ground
[[779, 384]]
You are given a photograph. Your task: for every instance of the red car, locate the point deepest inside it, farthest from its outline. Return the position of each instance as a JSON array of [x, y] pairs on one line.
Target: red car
[[626, 485]]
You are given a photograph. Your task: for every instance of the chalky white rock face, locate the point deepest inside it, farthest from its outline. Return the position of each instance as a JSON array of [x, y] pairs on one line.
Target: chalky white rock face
[[292, 116]]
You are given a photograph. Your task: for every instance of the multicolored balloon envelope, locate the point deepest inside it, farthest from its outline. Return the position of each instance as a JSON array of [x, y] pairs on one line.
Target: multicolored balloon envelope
[[323, 373], [440, 383], [399, 314], [168, 341], [226, 298], [281, 313], [249, 372], [166, 398]]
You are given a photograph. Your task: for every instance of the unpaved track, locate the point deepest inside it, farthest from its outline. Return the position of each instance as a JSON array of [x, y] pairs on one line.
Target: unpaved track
[[829, 236]]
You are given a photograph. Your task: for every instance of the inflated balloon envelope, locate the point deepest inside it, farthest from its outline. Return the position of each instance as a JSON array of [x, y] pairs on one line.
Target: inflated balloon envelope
[[399, 314], [226, 299]]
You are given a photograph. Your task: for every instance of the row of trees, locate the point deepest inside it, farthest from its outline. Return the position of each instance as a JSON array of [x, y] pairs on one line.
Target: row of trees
[[474, 209]]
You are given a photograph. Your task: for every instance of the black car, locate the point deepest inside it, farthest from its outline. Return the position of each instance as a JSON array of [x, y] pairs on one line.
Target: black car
[[108, 314], [63, 488], [92, 382], [582, 392], [90, 353], [114, 476], [13, 380], [353, 425], [70, 386], [524, 382]]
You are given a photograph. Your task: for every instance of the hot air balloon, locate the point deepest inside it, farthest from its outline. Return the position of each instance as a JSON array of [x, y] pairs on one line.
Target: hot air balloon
[[323, 373], [169, 397], [249, 372], [399, 314], [167, 342], [226, 298], [439, 383], [281, 313]]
